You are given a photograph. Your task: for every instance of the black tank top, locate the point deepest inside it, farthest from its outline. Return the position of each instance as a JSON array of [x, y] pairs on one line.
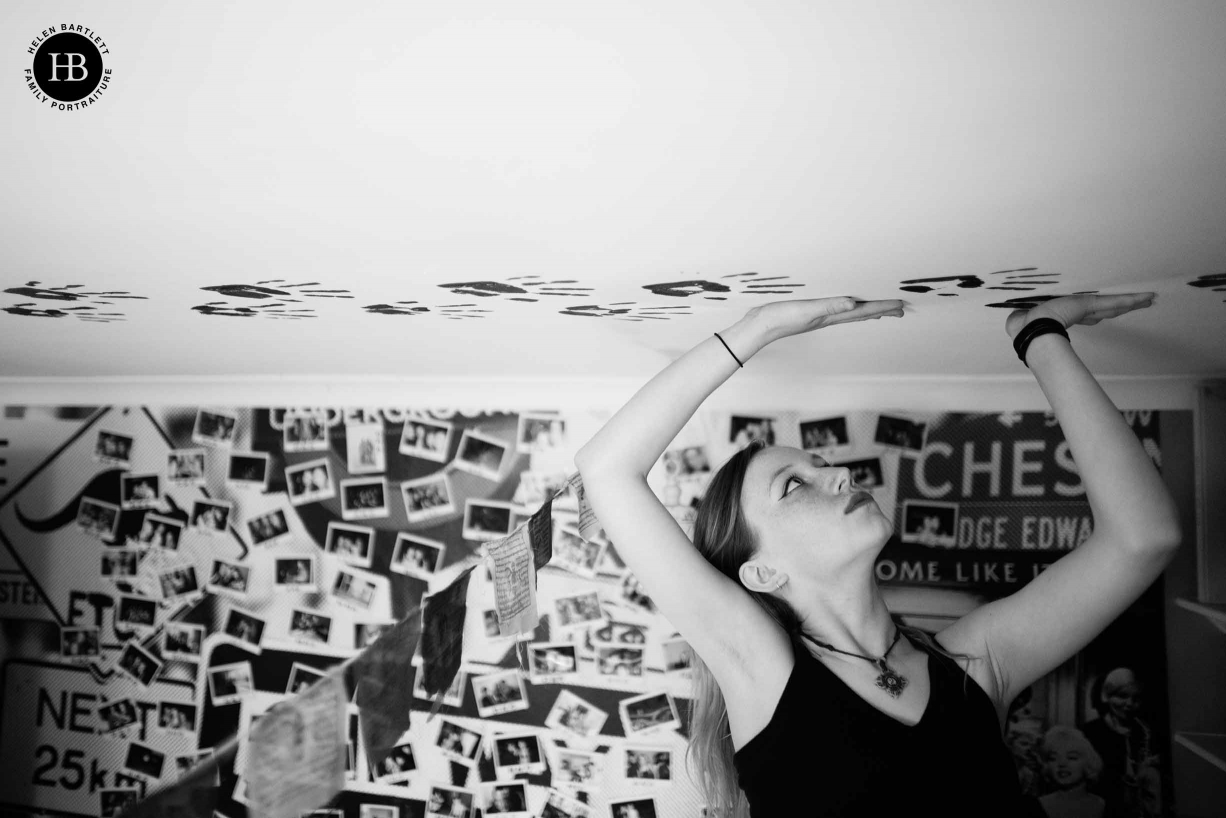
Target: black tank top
[[826, 751]]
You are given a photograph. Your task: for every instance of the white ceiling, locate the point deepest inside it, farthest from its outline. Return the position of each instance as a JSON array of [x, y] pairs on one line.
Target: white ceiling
[[385, 149]]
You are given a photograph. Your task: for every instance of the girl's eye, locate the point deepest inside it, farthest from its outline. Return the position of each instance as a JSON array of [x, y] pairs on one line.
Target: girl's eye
[[790, 480]]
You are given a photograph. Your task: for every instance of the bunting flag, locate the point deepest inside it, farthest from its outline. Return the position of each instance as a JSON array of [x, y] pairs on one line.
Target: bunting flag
[[192, 796], [540, 535], [442, 635], [382, 676]]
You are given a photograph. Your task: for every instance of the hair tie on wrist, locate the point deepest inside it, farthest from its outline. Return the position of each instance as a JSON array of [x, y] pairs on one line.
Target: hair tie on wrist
[[730, 352], [1037, 327]]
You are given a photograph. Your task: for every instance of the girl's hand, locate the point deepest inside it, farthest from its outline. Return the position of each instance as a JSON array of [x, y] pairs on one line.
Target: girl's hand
[[1078, 309], [781, 319]]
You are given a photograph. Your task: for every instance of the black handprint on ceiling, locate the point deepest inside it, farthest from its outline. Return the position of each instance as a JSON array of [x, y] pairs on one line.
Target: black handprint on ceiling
[[272, 310], [1021, 278], [628, 311], [458, 312], [747, 284], [518, 288], [1029, 302], [1213, 281], [282, 290], [70, 292], [392, 309], [30, 310]]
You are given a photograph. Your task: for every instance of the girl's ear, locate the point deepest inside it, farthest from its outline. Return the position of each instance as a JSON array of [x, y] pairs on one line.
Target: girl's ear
[[760, 577]]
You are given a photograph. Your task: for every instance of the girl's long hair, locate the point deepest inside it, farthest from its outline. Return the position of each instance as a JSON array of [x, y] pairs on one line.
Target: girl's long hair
[[723, 536]]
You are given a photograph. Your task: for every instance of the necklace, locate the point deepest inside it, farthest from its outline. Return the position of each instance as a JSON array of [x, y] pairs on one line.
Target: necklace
[[889, 680]]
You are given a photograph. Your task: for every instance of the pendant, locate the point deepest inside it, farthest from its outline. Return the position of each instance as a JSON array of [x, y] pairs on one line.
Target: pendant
[[891, 682]]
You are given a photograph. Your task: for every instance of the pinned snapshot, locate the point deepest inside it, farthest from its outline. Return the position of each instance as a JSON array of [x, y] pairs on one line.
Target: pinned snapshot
[[575, 554], [211, 517], [228, 578], [553, 662], [931, 523], [353, 590], [579, 770], [427, 498], [579, 611], [900, 433], [427, 439], [486, 520], [866, 473], [364, 448], [182, 641], [248, 470], [677, 656], [458, 743], [648, 764], [743, 430], [185, 467], [295, 574], [417, 556], [480, 454], [353, 544], [366, 633], [158, 531], [647, 714], [138, 664], [80, 644], [98, 519], [453, 696], [246, 629], [363, 498], [539, 433], [824, 434], [633, 808], [177, 718], [450, 802], [575, 715], [139, 491], [268, 529], [214, 428], [120, 563], [396, 766], [136, 613], [310, 482], [113, 449], [116, 716], [498, 693], [179, 582], [310, 627], [518, 753], [305, 432], [301, 677], [144, 761], [507, 799], [228, 683], [558, 805]]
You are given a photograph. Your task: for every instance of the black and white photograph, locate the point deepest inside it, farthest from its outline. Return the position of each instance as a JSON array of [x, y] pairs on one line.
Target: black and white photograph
[[310, 482], [185, 763], [744, 430], [114, 800], [120, 563], [539, 433], [427, 439], [228, 683], [136, 612], [354, 590], [310, 627], [687, 461], [79, 643], [490, 626], [378, 811], [269, 528], [363, 498], [486, 519], [417, 556], [535, 487], [301, 677], [214, 428], [866, 473], [517, 753], [552, 662], [117, 715], [619, 634], [137, 491], [211, 516], [931, 523], [427, 498], [396, 766], [453, 696], [579, 769], [228, 578], [182, 641], [480, 454], [113, 449], [633, 808], [649, 713], [179, 581], [450, 802], [295, 574], [619, 661], [138, 664], [305, 432], [578, 611], [900, 433], [826, 433], [458, 743], [353, 544], [246, 629], [158, 531], [176, 717], [575, 715], [575, 554], [185, 467], [509, 800], [677, 657], [366, 633], [558, 805], [648, 764], [98, 519], [498, 693], [144, 761], [364, 448], [248, 470]]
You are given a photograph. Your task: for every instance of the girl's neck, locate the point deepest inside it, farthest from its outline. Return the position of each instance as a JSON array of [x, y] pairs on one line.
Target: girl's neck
[[854, 622]]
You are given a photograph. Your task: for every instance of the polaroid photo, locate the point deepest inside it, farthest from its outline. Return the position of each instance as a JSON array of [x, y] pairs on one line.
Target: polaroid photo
[[228, 683], [310, 482], [575, 715], [498, 693], [825, 433], [214, 428], [158, 531], [427, 439], [297, 574], [579, 611], [647, 714], [632, 593], [677, 656], [452, 697], [865, 474], [508, 799], [558, 805], [553, 662], [120, 563], [366, 633], [535, 487], [427, 498], [269, 528], [178, 582], [176, 717], [113, 449], [114, 801], [744, 430], [353, 544], [363, 498], [248, 470], [315, 813], [450, 802], [301, 677], [353, 590], [136, 613], [648, 764], [619, 661], [305, 432], [378, 811], [575, 554], [239, 793], [228, 578], [688, 461], [579, 769], [900, 433], [352, 745], [182, 641], [458, 743], [364, 448], [396, 766], [620, 634], [98, 519], [417, 556], [633, 808], [489, 621], [117, 715], [930, 523], [310, 627], [80, 644], [211, 517], [185, 467], [246, 629], [539, 433], [139, 491], [516, 753], [486, 520], [480, 454], [186, 763], [138, 664]]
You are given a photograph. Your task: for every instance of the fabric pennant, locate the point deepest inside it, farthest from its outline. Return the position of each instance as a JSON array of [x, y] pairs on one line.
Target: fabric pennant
[[382, 676], [540, 535], [442, 634], [192, 796]]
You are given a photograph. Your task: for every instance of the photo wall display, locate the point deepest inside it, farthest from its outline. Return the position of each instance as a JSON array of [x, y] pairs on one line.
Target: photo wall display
[[208, 560]]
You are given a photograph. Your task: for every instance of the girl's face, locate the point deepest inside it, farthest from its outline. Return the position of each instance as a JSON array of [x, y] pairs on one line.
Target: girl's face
[[1066, 765], [1123, 701]]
